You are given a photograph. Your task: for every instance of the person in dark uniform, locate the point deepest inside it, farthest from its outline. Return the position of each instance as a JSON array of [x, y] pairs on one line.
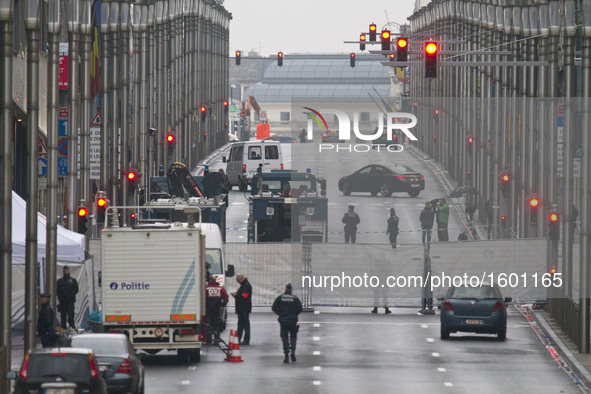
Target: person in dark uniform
[[45, 322], [426, 218], [351, 220], [243, 298], [302, 136], [392, 229], [288, 306], [215, 298], [67, 288]]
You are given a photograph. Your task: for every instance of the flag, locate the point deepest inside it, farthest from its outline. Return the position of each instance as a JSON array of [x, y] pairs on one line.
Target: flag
[[95, 85], [400, 74]]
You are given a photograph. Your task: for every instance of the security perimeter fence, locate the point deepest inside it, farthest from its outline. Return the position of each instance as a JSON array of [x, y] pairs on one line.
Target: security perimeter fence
[[367, 275]]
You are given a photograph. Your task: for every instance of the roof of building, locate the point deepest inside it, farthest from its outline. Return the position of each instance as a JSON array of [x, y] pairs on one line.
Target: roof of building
[[291, 92]]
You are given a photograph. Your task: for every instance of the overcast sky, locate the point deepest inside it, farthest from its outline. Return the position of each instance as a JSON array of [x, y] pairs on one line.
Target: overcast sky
[[308, 26]]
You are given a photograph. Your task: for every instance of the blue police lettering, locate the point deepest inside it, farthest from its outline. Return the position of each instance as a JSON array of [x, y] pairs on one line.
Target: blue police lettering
[[135, 286]]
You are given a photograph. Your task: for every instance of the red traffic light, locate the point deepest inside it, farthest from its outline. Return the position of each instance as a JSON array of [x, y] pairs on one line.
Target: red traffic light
[[82, 211], [352, 56], [280, 55], [470, 140], [505, 178], [553, 217], [131, 175], [101, 202], [431, 48], [225, 103], [553, 270], [372, 27], [534, 202], [436, 112], [203, 108], [402, 43], [170, 138], [362, 37], [391, 57], [385, 34]]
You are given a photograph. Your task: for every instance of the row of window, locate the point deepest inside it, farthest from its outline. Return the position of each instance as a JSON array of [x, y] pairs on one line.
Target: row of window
[[286, 117]]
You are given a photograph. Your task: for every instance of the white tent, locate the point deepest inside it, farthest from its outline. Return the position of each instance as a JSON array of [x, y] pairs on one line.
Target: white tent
[[70, 245]]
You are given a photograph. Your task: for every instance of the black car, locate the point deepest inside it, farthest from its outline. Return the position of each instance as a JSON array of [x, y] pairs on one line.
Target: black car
[[114, 353], [376, 179], [63, 370]]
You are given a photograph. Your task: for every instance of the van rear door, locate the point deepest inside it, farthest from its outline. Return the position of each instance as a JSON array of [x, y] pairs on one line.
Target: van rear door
[[273, 159]]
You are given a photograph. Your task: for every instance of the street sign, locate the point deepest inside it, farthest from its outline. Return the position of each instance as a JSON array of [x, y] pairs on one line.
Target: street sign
[[62, 146], [42, 149], [42, 166], [62, 166], [96, 121]]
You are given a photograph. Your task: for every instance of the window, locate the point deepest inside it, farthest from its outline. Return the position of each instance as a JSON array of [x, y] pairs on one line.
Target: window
[[237, 153], [364, 117], [254, 152], [285, 116], [271, 152], [214, 258], [365, 170]]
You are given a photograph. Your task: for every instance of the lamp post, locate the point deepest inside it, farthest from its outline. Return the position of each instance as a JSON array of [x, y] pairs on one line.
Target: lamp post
[[160, 99], [32, 18], [143, 96], [134, 140], [6, 140], [124, 83], [53, 28], [115, 105], [73, 15], [105, 93], [85, 28]]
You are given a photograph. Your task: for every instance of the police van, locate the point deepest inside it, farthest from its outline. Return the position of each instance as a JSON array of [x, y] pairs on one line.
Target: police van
[[245, 157]]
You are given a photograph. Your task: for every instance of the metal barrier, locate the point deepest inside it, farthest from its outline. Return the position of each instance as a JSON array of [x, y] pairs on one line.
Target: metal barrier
[[566, 313]]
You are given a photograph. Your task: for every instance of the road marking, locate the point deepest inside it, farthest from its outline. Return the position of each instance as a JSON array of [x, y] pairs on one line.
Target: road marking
[[316, 353], [238, 203], [315, 338], [185, 382], [316, 383], [424, 326], [316, 324], [246, 221], [441, 369], [435, 354], [316, 368], [194, 367], [316, 312], [240, 236], [448, 384], [430, 340]]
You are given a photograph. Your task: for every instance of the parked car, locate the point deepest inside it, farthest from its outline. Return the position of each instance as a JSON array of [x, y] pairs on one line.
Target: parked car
[[478, 309], [282, 139], [376, 179], [114, 353], [383, 140], [60, 370]]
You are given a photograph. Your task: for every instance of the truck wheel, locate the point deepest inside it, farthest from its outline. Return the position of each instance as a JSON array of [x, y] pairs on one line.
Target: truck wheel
[[183, 356], [195, 355]]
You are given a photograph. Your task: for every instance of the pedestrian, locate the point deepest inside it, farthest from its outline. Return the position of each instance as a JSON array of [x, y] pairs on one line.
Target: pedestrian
[[67, 288], [575, 215], [470, 211], [225, 181], [426, 218], [392, 229], [489, 209], [351, 220], [288, 306], [302, 136], [442, 220], [45, 322], [243, 299], [215, 298]]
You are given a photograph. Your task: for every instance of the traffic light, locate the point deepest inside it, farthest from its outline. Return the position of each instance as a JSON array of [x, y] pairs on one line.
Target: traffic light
[[238, 57], [534, 204], [102, 203], [436, 112], [132, 179], [402, 49], [391, 56], [503, 221], [170, 140], [554, 226], [203, 111], [505, 181], [132, 218], [372, 32], [469, 144], [431, 59], [362, 42], [226, 105], [280, 59], [82, 220], [352, 60], [385, 40], [469, 177]]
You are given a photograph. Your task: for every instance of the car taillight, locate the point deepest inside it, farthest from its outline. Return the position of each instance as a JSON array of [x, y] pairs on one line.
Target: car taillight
[[499, 306], [422, 178], [243, 168], [282, 166], [25, 367], [125, 367], [400, 177], [447, 306], [93, 369], [188, 331]]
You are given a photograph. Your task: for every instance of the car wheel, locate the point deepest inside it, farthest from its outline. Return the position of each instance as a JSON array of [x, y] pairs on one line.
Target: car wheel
[[502, 334], [346, 189], [386, 190], [195, 355], [444, 333], [413, 193]]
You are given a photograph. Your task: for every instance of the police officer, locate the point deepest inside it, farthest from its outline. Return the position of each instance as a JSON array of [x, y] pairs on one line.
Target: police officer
[[67, 288], [215, 298], [392, 230], [45, 321], [288, 306], [351, 220]]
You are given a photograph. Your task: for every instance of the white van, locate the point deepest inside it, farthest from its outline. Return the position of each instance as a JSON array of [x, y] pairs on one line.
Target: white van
[[245, 157]]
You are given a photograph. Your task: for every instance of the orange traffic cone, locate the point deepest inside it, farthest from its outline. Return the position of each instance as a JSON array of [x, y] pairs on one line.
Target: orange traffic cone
[[235, 350], [230, 345]]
